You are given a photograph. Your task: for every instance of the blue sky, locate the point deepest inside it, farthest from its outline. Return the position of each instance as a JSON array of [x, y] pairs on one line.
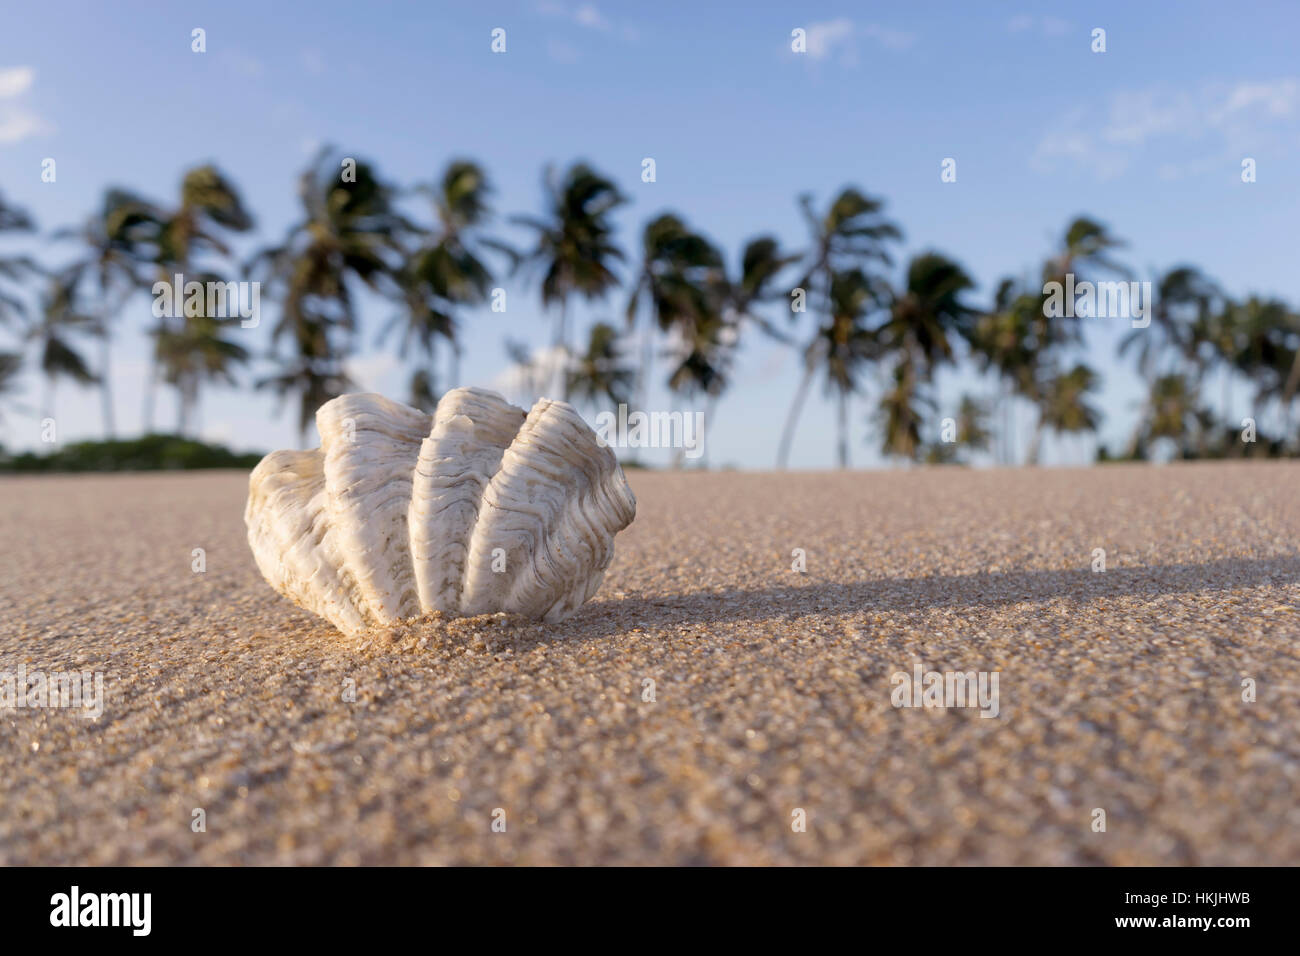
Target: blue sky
[[1148, 137]]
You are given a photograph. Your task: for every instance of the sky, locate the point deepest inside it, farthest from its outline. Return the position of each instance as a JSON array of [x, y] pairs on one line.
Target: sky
[[1147, 137]]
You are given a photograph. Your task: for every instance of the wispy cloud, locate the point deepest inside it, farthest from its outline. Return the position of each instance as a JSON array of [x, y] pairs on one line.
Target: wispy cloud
[[16, 80], [588, 16], [831, 38], [585, 15], [1179, 132], [823, 38], [17, 120]]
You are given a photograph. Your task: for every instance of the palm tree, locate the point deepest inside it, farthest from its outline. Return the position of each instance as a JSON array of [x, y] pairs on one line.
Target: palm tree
[[210, 206], [1030, 341], [900, 413], [1184, 301], [1172, 404], [422, 392], [677, 273], [1222, 339], [844, 344], [445, 271], [14, 269], [1182, 324], [1063, 405], [53, 334], [316, 380], [575, 249], [927, 316], [705, 348], [1003, 341], [852, 235], [121, 241], [350, 233], [11, 363], [196, 352], [1087, 244], [1291, 383], [1262, 350], [972, 424], [600, 374], [761, 261]]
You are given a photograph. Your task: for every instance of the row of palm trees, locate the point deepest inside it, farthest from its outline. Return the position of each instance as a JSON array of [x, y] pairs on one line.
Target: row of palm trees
[[835, 301]]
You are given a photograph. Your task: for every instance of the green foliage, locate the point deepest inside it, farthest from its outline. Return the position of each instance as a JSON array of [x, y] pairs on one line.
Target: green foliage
[[600, 375], [868, 327], [574, 249], [148, 453]]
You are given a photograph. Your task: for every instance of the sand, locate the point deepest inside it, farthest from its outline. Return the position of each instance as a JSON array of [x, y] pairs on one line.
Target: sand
[[1120, 690]]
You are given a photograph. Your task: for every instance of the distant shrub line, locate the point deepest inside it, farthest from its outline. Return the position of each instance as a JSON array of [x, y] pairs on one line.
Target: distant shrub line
[[147, 453]]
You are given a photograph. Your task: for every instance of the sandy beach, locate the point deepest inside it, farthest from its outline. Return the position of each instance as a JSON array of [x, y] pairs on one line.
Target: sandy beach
[[1119, 690]]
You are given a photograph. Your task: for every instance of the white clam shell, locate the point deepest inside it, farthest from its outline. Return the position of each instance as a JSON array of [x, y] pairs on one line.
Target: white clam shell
[[400, 513]]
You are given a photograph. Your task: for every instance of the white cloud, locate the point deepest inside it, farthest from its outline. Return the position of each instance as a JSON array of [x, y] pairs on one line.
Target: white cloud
[[1179, 132], [15, 80], [1075, 140], [584, 14], [825, 37], [17, 124], [588, 16], [17, 121], [1278, 98]]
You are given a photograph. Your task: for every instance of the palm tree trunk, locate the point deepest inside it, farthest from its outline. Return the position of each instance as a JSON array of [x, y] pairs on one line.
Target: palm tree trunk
[[647, 358], [792, 418], [1137, 428], [1036, 443], [842, 426], [709, 408], [1227, 386], [1008, 396], [1288, 399], [105, 387], [150, 391]]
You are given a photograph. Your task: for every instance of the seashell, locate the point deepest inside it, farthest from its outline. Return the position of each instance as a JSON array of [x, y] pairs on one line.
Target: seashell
[[478, 508]]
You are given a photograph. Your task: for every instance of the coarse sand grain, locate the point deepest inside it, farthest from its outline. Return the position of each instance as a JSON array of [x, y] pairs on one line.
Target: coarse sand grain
[[1120, 690]]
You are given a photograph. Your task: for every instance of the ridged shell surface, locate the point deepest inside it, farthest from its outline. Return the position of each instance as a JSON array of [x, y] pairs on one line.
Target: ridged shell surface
[[478, 508]]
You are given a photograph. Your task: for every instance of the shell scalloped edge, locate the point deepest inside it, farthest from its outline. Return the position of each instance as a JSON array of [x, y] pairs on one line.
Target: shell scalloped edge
[[475, 509]]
